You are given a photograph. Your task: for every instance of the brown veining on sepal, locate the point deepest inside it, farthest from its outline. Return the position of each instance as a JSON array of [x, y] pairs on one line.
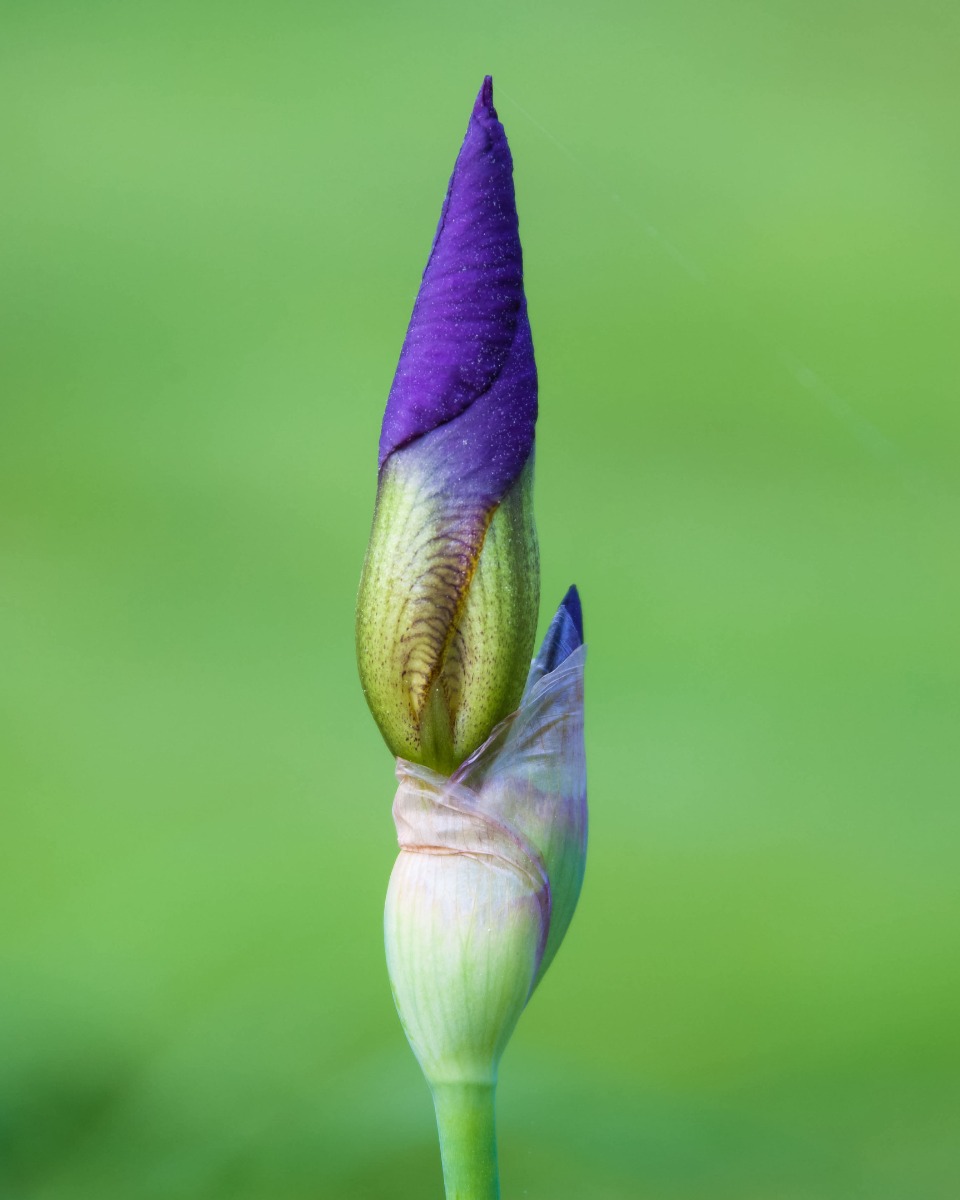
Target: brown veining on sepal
[[446, 614]]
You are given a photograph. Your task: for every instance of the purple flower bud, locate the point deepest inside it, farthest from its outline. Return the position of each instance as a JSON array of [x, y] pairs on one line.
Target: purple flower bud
[[448, 601], [466, 370]]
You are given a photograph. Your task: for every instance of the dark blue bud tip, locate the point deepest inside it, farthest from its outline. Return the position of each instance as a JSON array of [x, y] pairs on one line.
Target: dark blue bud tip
[[563, 638], [571, 602]]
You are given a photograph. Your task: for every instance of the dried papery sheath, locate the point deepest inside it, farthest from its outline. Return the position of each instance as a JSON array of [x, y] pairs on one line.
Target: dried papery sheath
[[449, 595], [490, 867]]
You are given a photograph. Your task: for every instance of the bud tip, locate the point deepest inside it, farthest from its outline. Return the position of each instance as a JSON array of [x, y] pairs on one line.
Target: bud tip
[[571, 603], [485, 98]]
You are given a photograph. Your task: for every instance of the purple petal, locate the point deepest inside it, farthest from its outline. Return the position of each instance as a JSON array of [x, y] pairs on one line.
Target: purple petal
[[466, 375]]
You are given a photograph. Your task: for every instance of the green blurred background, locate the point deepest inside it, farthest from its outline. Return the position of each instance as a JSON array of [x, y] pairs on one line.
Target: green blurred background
[[741, 236]]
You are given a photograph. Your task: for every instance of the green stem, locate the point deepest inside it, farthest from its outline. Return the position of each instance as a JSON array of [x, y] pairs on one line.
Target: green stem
[[468, 1140]]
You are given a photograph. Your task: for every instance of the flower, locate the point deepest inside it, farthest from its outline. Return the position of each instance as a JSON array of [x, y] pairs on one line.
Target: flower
[[447, 609], [490, 868]]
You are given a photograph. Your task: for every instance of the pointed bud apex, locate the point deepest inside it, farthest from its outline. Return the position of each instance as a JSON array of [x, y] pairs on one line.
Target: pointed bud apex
[[448, 601], [490, 867]]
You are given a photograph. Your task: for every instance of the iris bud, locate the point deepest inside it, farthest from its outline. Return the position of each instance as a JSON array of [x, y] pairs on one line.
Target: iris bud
[[490, 868], [447, 609]]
